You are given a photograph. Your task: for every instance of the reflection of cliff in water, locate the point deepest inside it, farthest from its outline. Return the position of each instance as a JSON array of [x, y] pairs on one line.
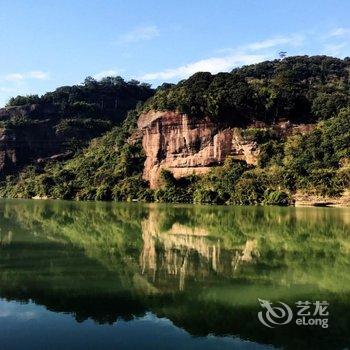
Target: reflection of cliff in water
[[188, 252], [201, 267]]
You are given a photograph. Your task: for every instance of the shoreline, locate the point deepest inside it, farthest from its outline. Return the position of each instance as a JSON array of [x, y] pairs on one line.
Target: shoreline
[[299, 201], [304, 200]]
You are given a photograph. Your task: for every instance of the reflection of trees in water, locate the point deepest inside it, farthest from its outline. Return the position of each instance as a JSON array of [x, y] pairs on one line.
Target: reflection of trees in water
[[5, 238], [183, 251], [109, 260], [274, 245], [156, 246]]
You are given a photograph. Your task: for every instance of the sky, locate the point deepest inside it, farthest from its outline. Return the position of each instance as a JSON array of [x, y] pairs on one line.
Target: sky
[[45, 44]]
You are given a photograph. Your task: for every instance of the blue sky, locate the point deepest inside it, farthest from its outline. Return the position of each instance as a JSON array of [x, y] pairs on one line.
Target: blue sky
[[46, 44]]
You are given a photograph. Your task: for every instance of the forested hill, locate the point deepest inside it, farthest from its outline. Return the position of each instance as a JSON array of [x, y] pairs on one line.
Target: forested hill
[[59, 123], [298, 88], [107, 99], [251, 102]]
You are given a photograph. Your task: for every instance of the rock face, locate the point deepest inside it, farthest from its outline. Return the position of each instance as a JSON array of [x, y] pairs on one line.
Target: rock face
[[20, 147], [188, 146], [29, 135]]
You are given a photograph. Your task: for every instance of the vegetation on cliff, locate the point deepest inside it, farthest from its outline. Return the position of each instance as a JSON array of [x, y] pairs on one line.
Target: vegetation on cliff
[[298, 89], [316, 163], [107, 99], [109, 168], [65, 120]]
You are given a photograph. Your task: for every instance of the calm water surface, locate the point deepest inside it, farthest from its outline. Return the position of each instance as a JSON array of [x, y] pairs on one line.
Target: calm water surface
[[133, 276]]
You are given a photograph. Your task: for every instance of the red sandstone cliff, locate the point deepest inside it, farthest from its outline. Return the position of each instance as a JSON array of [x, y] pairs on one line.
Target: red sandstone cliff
[[186, 145]]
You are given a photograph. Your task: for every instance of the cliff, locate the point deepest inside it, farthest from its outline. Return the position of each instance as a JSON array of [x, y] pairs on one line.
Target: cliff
[[25, 137], [286, 122], [187, 145], [37, 129], [33, 134]]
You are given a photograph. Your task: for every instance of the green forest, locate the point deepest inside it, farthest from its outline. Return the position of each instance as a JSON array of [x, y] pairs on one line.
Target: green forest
[[301, 89]]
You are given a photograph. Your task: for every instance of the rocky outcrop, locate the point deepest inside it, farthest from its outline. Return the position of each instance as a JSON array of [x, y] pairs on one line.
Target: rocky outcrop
[[30, 135], [26, 135], [186, 145], [27, 144], [8, 154]]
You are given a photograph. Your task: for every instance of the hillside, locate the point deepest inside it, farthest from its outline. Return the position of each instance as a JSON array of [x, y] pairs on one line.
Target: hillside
[[266, 133], [54, 126], [298, 89]]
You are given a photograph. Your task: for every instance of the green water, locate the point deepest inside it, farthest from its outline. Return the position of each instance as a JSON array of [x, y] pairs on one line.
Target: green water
[[134, 276]]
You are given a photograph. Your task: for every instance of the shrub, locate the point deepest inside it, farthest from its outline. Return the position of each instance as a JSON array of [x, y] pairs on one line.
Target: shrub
[[276, 197], [248, 190]]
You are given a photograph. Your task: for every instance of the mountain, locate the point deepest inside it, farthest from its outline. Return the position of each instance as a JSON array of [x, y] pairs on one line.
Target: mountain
[[37, 129], [271, 133]]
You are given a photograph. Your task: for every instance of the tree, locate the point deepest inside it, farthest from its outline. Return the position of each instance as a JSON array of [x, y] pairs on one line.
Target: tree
[[282, 54]]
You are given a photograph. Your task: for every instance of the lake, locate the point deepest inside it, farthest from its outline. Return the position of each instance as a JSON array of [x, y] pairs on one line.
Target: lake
[[88, 275]]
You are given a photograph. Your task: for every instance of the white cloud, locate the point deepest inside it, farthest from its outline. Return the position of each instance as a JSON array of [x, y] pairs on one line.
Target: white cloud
[[293, 40], [334, 49], [27, 315], [139, 34], [7, 89], [336, 42], [20, 83], [213, 65], [36, 74], [105, 73], [14, 77], [247, 54], [338, 32]]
